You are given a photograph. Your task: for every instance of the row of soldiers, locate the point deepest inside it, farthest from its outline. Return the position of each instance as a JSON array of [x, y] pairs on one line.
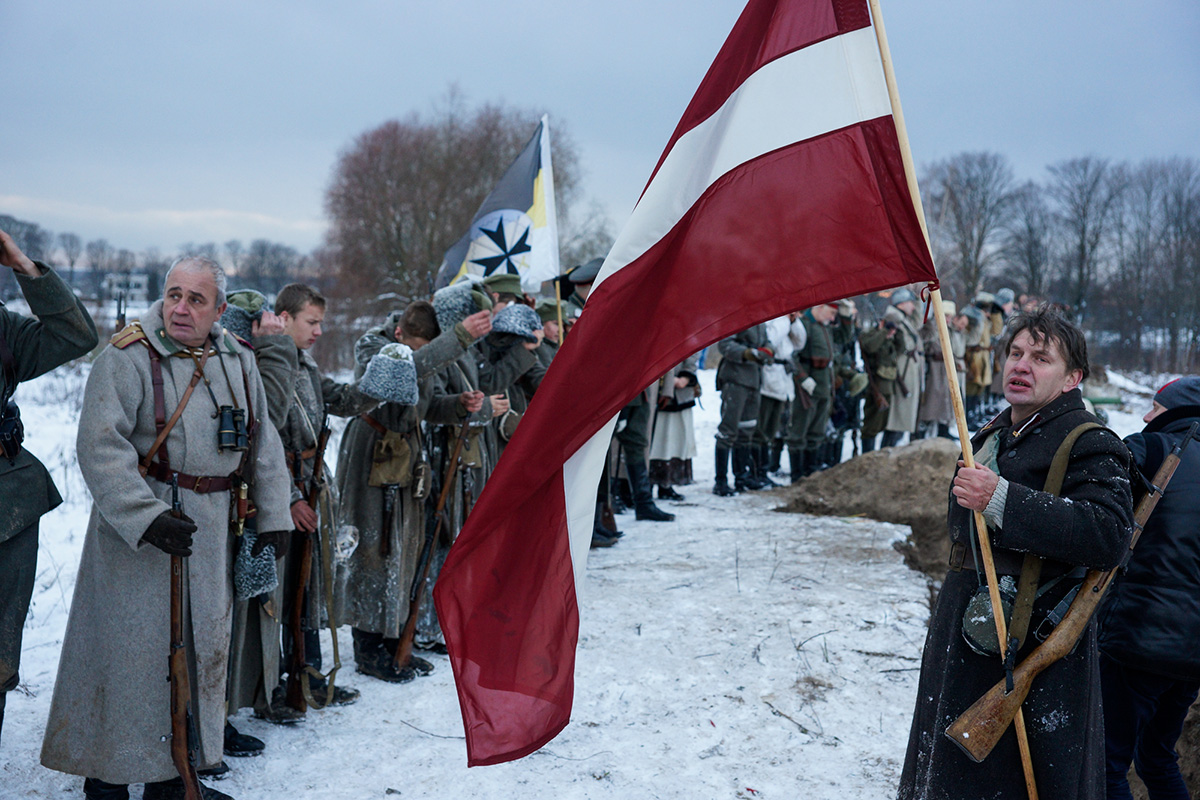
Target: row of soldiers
[[202, 439], [801, 382]]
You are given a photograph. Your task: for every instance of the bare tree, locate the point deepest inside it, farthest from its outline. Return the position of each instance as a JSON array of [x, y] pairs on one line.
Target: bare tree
[[1137, 234], [1026, 239], [100, 254], [404, 192], [72, 247], [1181, 260], [1084, 192], [235, 251], [970, 196]]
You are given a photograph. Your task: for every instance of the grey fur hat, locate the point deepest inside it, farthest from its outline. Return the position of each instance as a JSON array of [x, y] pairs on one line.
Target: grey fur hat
[[903, 296], [391, 376], [519, 319], [245, 306], [454, 303], [1005, 296]]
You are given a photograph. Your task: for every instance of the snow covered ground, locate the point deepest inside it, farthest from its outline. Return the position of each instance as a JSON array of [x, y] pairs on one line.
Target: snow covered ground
[[732, 653]]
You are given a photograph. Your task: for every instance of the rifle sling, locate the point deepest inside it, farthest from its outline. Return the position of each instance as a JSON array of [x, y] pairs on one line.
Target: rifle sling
[[1031, 568], [163, 425]]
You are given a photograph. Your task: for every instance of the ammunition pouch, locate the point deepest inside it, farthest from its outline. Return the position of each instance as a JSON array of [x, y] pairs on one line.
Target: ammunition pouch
[[887, 372], [12, 431], [392, 462]]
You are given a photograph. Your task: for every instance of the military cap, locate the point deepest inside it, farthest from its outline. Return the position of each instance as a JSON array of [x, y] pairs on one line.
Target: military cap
[[586, 273], [504, 283], [547, 310]]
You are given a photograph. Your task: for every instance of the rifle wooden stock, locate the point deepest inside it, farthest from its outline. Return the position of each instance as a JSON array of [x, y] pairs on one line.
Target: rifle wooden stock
[[183, 724], [405, 645], [980, 727], [299, 659]]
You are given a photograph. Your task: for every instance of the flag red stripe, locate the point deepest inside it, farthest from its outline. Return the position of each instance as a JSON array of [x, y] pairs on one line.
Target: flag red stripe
[[763, 33], [811, 222]]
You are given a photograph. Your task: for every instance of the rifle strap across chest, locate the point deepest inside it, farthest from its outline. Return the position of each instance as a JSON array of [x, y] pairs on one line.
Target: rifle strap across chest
[[1031, 567], [161, 423]]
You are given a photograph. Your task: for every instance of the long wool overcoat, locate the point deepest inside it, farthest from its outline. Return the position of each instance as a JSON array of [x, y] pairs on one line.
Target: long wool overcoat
[[111, 705], [1088, 524], [373, 588], [910, 369]]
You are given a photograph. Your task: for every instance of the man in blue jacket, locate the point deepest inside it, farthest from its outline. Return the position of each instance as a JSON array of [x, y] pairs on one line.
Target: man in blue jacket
[[1150, 626]]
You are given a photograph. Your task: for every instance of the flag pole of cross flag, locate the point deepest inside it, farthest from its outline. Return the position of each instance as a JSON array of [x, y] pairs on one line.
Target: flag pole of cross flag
[[781, 188], [515, 230]]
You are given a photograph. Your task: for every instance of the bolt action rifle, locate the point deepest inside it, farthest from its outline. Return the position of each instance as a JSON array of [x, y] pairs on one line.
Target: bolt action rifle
[[980, 727], [433, 529], [184, 737], [298, 663]]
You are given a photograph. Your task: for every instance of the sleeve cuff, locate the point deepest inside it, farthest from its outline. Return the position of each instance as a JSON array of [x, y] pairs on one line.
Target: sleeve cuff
[[994, 513]]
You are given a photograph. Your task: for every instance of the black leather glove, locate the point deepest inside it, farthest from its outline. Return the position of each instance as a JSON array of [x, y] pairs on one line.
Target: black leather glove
[[172, 535], [279, 539]]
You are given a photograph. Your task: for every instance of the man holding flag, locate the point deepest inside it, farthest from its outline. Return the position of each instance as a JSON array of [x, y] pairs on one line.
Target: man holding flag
[[782, 187]]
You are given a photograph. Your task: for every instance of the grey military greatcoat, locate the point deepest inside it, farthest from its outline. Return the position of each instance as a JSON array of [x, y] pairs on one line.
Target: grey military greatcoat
[[111, 710]]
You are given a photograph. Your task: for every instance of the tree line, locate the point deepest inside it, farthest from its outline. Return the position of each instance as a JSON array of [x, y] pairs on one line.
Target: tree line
[[1116, 242]]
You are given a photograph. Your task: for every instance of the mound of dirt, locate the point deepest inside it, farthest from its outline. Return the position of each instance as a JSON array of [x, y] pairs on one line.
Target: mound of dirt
[[905, 485]]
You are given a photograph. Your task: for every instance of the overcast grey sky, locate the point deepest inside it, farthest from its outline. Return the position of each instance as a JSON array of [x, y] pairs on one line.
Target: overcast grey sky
[[154, 124]]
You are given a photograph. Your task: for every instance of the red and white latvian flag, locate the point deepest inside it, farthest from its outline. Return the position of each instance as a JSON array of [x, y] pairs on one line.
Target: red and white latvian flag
[[782, 188]]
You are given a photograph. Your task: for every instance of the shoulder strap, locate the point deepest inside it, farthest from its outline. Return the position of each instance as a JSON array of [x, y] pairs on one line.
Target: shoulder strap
[[1031, 567], [128, 335], [164, 427]]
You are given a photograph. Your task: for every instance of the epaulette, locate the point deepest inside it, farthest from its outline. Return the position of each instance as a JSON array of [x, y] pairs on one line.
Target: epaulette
[[128, 335], [231, 335]]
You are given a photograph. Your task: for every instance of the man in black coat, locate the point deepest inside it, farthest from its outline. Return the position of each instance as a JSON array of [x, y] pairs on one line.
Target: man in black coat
[[1087, 524], [1150, 624]]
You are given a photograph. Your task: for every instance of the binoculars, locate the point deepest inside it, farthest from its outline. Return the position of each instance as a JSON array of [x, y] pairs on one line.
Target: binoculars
[[231, 429]]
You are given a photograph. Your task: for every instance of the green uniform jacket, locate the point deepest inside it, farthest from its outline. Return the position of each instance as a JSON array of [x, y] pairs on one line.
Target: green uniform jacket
[[62, 331]]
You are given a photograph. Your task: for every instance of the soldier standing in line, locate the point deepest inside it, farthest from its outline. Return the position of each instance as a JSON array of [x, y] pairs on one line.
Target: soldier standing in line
[[813, 377], [111, 706], [881, 347], [383, 491], [848, 383], [29, 347], [910, 368], [739, 379], [778, 390]]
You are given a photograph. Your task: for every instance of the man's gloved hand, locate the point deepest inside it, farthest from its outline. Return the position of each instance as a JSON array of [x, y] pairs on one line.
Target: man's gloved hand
[[279, 539], [172, 535], [808, 385]]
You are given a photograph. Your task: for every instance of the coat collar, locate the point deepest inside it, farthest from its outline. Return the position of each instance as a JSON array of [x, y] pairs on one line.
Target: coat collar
[[1070, 401], [160, 340]]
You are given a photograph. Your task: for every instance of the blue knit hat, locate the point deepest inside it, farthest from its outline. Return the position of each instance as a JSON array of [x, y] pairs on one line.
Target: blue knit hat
[[1183, 391]]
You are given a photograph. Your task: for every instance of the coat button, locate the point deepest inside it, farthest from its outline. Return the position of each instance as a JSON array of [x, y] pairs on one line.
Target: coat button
[[1012, 453]]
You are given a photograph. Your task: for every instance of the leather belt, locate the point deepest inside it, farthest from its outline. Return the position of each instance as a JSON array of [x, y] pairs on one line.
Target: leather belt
[[203, 484]]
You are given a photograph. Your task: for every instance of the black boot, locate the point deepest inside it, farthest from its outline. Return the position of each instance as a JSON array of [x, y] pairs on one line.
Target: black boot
[[812, 460], [868, 443], [624, 496], [943, 431], [241, 745], [666, 492], [721, 486], [94, 789], [833, 450], [643, 495], [758, 467], [738, 458], [796, 462], [775, 455], [891, 438], [173, 790]]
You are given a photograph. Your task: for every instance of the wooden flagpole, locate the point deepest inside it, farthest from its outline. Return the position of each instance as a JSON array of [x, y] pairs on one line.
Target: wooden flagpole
[[964, 436]]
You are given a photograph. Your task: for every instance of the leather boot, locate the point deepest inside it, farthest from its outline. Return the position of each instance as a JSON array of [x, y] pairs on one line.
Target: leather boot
[[868, 443], [833, 450], [95, 789], [812, 460], [775, 455], [643, 493], [891, 438], [943, 431], [173, 790], [796, 461], [721, 485], [758, 466]]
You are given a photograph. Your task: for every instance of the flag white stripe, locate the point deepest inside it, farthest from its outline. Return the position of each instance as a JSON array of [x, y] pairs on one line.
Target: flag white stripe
[[822, 88], [581, 477]]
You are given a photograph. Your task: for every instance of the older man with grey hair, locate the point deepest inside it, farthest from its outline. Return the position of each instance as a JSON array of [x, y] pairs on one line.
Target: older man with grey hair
[[151, 417]]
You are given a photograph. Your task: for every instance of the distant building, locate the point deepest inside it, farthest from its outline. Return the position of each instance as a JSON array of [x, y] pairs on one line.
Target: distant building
[[134, 285]]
